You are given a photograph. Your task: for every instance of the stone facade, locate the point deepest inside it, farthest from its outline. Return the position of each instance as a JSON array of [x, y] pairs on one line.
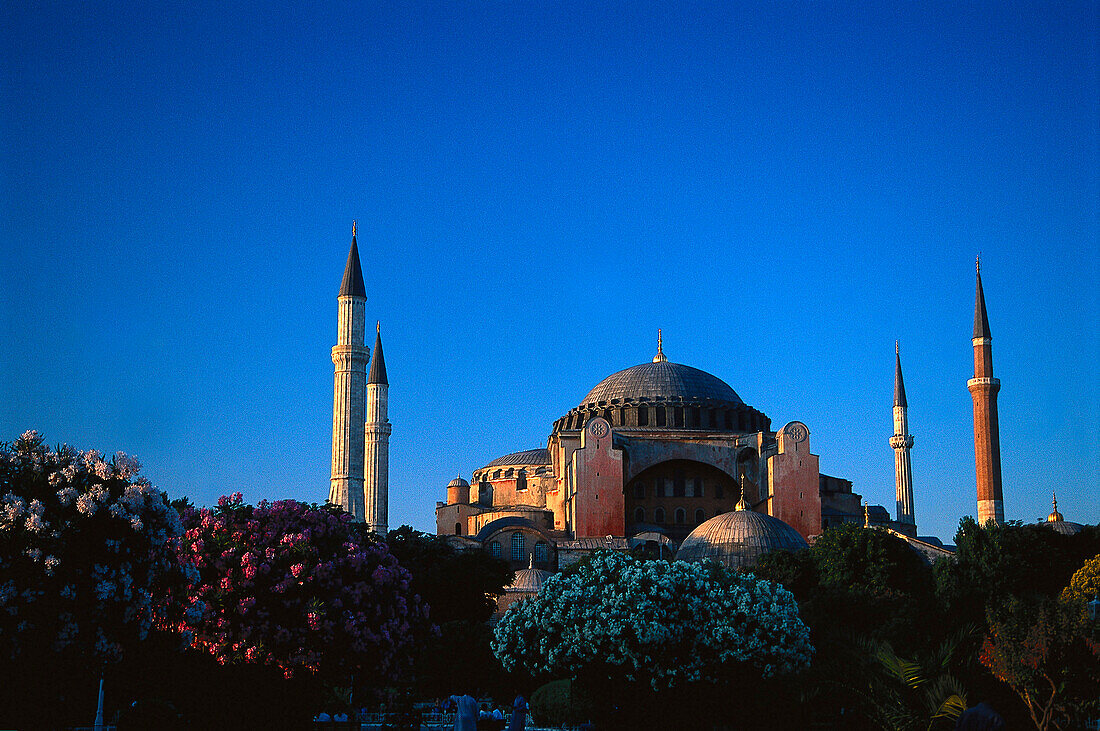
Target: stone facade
[[652, 452]]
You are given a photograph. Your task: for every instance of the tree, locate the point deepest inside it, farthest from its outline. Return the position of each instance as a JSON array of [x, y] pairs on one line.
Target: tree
[[1084, 585], [88, 565], [664, 623], [460, 589], [297, 586], [1040, 647], [633, 625], [993, 562]]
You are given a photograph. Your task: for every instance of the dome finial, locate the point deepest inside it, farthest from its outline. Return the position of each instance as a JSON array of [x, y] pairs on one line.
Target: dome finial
[[660, 357], [1055, 516], [531, 561], [741, 505]]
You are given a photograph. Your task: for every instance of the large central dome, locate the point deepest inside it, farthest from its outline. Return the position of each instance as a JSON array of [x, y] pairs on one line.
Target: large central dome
[[662, 381]]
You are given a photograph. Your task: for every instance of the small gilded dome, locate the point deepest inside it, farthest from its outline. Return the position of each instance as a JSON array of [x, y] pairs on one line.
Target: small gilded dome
[[1055, 516], [738, 539]]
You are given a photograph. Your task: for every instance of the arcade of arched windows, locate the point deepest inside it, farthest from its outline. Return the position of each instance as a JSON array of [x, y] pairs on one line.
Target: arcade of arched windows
[[729, 418], [680, 494]]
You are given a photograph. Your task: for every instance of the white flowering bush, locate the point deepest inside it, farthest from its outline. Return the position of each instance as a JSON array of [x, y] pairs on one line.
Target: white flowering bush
[[88, 552], [654, 621]]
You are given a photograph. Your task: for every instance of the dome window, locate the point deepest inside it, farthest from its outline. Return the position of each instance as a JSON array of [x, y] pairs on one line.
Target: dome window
[[659, 515], [494, 549], [643, 416], [681, 516], [700, 516]]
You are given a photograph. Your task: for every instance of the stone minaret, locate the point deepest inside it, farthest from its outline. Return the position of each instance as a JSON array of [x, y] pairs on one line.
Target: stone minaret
[[902, 442], [376, 483], [987, 441], [350, 357]]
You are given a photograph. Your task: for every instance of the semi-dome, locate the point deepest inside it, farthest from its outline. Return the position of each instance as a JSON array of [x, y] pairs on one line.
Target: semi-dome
[[661, 381], [738, 539]]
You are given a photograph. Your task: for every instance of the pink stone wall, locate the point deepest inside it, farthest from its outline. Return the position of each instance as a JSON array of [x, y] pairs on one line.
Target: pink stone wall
[[794, 481], [598, 475]]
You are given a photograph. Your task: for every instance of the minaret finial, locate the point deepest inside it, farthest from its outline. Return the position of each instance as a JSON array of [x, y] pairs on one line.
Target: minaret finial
[[897, 348], [354, 228], [660, 357], [978, 263], [378, 326]]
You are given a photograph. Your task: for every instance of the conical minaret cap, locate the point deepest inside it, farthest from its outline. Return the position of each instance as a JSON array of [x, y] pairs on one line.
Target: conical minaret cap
[[378, 361], [352, 284], [899, 383], [981, 321]]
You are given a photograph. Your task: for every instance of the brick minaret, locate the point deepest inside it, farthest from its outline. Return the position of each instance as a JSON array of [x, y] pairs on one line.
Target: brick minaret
[[350, 357], [987, 441], [376, 479], [902, 442]]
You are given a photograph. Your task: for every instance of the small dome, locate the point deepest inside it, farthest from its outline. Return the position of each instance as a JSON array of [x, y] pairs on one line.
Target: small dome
[[1064, 527], [458, 482], [528, 581], [738, 539], [662, 380], [1055, 517]]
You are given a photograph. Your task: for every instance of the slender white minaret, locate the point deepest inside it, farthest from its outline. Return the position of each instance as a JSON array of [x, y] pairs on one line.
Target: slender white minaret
[[350, 357], [376, 480], [902, 442]]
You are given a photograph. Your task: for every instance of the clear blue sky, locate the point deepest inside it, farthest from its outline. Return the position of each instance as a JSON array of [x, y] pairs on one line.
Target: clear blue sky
[[785, 188]]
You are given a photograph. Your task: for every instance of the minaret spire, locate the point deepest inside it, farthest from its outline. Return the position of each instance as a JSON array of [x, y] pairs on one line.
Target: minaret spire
[[660, 357], [983, 389], [902, 442], [349, 356], [376, 478]]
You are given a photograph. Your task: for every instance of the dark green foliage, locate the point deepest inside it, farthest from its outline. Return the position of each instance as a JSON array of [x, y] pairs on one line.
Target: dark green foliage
[[460, 588], [994, 562], [457, 585], [557, 704]]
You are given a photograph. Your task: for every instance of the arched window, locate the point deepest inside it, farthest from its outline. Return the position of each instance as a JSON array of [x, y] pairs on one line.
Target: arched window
[[508, 473], [639, 515], [681, 516], [639, 490], [542, 552], [678, 483], [518, 546], [660, 416], [718, 491], [521, 480], [458, 529], [643, 416], [678, 416], [494, 549], [697, 488], [700, 516], [659, 515]]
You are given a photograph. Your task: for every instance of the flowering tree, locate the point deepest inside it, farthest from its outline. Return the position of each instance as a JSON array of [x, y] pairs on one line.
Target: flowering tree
[[653, 621], [297, 586], [88, 552]]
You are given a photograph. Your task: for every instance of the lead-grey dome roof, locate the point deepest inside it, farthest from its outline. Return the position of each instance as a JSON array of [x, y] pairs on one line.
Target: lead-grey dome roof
[[661, 381], [530, 456], [739, 539], [528, 581]]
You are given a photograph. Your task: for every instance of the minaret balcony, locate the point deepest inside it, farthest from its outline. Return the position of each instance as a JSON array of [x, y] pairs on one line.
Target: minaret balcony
[[898, 441], [992, 384]]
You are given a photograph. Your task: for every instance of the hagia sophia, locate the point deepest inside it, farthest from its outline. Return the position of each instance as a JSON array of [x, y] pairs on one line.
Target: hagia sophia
[[659, 457]]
